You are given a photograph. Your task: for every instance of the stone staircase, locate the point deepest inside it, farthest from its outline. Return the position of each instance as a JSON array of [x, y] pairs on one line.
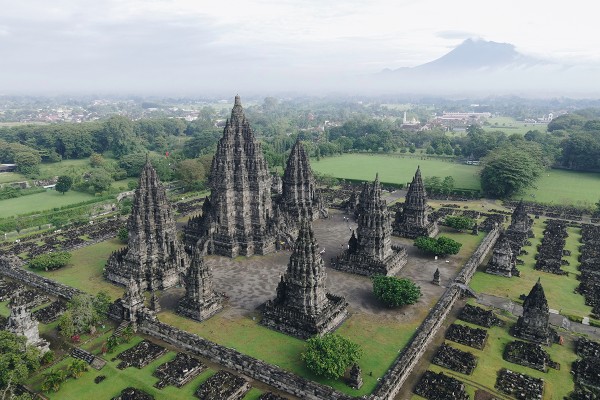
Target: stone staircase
[[122, 326]]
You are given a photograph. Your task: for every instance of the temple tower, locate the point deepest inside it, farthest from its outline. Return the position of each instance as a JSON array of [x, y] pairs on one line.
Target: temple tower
[[370, 252], [413, 220], [21, 322], [519, 220], [200, 301], [534, 324], [154, 256], [299, 198], [302, 307], [237, 216], [503, 262]]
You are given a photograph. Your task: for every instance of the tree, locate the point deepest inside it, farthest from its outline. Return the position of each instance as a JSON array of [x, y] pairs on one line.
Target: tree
[[441, 246], [191, 173], [459, 223], [510, 169], [123, 235], [395, 292], [99, 180], [63, 184], [52, 380], [330, 355], [17, 360], [448, 184], [81, 315], [96, 160], [102, 303], [433, 184], [77, 368], [50, 261]]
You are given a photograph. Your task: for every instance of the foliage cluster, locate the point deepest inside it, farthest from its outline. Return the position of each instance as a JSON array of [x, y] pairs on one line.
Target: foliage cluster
[[17, 361], [27, 159], [441, 246], [9, 192], [330, 355], [63, 184], [50, 261], [395, 292], [83, 313], [54, 378], [458, 222]]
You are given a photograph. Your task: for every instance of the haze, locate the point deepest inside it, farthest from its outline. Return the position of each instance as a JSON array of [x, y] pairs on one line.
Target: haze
[[182, 47]]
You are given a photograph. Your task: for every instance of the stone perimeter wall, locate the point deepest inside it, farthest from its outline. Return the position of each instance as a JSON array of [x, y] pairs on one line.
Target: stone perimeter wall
[[256, 369], [391, 383], [15, 271]]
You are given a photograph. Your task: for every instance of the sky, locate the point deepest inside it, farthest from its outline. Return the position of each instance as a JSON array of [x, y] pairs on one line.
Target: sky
[[191, 47]]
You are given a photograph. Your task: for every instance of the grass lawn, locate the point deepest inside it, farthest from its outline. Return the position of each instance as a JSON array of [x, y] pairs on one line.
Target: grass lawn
[[558, 288], [85, 269], [4, 311], [380, 340], [396, 169], [116, 380], [558, 186], [7, 177], [510, 125], [65, 167], [40, 202]]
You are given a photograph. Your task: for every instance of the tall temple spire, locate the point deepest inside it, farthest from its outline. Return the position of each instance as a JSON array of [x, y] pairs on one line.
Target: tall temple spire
[[370, 252], [237, 217], [534, 324], [302, 306], [299, 198], [154, 255], [413, 220]]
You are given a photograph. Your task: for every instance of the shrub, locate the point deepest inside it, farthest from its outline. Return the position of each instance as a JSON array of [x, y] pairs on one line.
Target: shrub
[[395, 292], [50, 261], [441, 246], [330, 355], [459, 223]]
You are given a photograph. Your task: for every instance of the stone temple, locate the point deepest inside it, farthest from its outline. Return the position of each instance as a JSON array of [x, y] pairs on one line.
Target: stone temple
[[237, 217], [503, 261], [299, 198], [370, 252], [200, 301], [534, 324], [21, 323], [302, 307], [413, 220], [154, 256]]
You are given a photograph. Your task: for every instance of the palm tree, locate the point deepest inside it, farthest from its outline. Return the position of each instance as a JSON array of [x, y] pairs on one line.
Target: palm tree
[[77, 368], [52, 380]]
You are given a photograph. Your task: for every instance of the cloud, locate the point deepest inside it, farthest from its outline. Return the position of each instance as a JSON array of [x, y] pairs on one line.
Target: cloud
[[457, 35]]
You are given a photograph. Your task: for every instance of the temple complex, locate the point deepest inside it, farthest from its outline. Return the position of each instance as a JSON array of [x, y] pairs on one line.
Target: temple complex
[[534, 324], [154, 256], [299, 198], [413, 220], [237, 216], [503, 261], [519, 220], [20, 322], [200, 301], [370, 252], [302, 306]]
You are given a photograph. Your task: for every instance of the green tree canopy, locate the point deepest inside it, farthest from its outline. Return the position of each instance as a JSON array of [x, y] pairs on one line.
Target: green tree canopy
[[63, 184], [50, 261], [441, 246], [395, 292], [17, 360], [459, 223], [330, 355], [191, 173], [511, 168]]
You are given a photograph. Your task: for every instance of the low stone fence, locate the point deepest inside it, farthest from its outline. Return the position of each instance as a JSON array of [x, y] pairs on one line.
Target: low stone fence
[[230, 358], [392, 382], [12, 268]]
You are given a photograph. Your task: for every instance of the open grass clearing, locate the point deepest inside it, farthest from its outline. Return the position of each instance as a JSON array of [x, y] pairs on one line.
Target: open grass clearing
[[7, 177], [40, 202], [561, 187], [510, 126], [396, 169], [85, 270], [65, 167], [559, 289]]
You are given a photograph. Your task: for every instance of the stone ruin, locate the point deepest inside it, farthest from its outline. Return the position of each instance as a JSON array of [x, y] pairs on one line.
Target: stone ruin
[[370, 252], [271, 396], [436, 277], [299, 196], [413, 221], [200, 301], [550, 251], [154, 256], [534, 324], [455, 359], [434, 386], [21, 323], [589, 266], [302, 307], [223, 386], [587, 348], [520, 386], [479, 316], [51, 312], [354, 379], [237, 217], [586, 371], [503, 261], [140, 355], [131, 393], [530, 355], [179, 371], [472, 337]]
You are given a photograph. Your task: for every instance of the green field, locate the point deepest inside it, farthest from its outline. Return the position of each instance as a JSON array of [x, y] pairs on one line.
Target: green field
[[8, 177], [396, 169], [558, 186], [559, 289], [65, 167], [85, 269], [40, 202], [510, 125]]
